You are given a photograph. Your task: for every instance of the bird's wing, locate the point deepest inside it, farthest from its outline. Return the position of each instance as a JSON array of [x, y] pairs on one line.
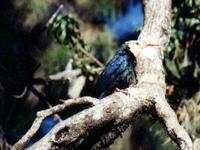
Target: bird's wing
[[111, 75]]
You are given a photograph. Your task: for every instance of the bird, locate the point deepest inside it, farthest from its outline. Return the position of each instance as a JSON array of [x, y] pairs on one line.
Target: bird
[[117, 74]]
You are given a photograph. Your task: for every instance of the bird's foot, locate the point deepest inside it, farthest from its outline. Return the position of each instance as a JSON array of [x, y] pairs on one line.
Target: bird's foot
[[125, 91]]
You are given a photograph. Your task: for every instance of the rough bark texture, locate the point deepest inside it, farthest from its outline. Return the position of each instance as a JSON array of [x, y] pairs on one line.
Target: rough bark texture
[[97, 126]]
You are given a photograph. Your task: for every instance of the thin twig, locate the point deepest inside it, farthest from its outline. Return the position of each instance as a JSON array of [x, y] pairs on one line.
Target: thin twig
[[53, 17], [92, 58]]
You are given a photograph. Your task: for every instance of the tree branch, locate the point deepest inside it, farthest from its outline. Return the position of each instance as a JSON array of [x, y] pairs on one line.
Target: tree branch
[[97, 126]]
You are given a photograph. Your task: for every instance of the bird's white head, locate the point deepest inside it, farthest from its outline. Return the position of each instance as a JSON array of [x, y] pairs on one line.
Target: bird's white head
[[136, 46]]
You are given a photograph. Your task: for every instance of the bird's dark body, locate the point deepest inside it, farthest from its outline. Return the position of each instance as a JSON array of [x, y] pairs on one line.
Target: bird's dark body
[[117, 73]]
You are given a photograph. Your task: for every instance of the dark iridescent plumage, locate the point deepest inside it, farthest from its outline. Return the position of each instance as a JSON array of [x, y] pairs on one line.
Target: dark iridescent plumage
[[117, 73]]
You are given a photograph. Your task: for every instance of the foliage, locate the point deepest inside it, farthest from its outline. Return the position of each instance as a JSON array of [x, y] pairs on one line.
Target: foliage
[[182, 56], [65, 29], [160, 139], [188, 114]]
